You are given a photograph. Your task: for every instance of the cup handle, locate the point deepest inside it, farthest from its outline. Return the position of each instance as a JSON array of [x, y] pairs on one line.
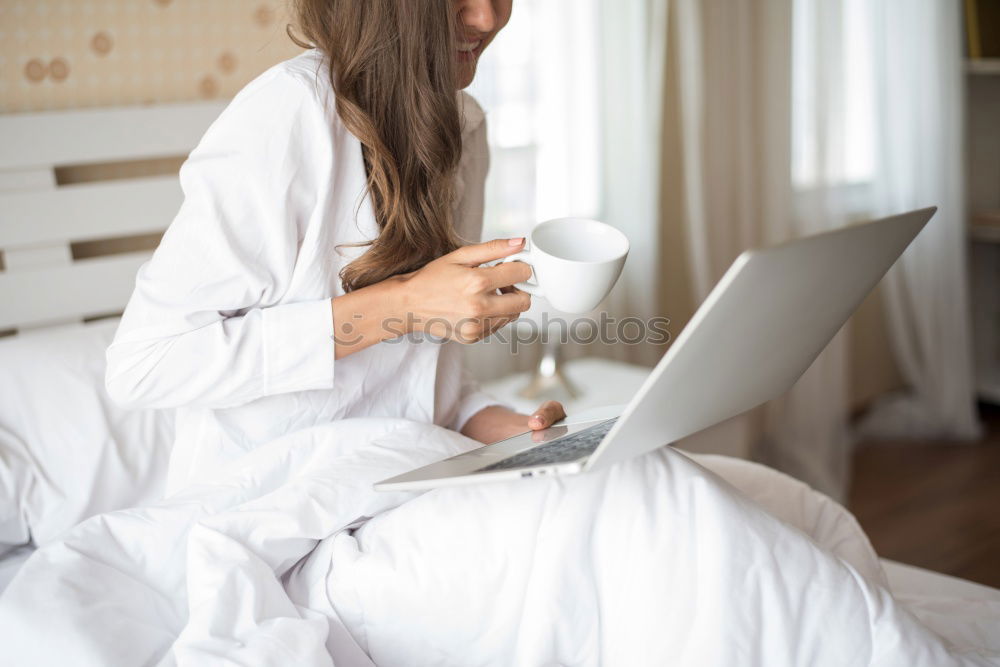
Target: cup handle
[[525, 256]]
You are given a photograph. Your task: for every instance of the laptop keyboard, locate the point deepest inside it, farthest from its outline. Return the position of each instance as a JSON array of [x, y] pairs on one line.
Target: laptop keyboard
[[567, 448]]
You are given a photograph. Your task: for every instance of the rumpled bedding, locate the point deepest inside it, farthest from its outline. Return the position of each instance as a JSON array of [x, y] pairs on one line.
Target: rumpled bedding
[[288, 557]]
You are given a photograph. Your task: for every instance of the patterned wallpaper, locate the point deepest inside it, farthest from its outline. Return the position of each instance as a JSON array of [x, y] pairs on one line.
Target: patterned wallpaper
[[63, 54]]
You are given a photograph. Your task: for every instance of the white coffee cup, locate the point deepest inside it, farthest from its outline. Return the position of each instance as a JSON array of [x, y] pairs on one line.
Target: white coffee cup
[[575, 262]]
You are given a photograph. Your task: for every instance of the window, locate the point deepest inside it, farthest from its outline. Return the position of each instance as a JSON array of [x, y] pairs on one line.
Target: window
[[538, 85], [833, 94]]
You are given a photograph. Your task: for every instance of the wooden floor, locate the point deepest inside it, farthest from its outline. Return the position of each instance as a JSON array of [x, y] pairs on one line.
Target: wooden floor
[[934, 505]]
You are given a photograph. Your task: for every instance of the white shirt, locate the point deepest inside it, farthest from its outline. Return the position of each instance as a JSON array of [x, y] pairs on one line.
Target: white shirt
[[231, 321]]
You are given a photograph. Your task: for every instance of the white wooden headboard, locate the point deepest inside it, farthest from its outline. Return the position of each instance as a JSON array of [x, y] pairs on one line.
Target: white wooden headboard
[[41, 283]]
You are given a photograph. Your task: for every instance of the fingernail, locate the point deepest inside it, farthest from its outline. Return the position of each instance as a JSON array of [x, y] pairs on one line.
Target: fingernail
[[537, 419], [515, 242]]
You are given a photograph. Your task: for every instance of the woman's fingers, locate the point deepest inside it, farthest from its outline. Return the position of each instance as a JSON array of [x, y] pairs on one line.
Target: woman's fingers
[[480, 253], [504, 275], [549, 413], [510, 303], [474, 330], [458, 299], [496, 324]]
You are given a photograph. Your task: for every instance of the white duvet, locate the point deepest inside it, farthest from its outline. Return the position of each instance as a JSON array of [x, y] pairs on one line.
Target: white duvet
[[289, 558]]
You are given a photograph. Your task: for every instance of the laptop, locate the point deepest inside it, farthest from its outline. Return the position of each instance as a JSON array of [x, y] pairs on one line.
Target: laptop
[[758, 331]]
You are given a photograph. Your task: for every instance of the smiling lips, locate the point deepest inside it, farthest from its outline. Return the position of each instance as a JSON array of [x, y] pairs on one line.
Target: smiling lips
[[468, 50]]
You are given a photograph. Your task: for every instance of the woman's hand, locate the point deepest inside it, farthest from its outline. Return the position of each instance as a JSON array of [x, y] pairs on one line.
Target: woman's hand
[[495, 423], [454, 297]]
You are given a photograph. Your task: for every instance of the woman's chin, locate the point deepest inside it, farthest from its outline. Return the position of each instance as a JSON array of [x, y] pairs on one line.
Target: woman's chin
[[464, 74]]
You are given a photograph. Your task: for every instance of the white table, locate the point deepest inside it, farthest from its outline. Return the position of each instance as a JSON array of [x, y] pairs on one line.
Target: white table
[[601, 382]]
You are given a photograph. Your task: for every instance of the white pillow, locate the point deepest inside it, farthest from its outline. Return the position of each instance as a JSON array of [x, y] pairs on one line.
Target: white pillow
[[67, 451]]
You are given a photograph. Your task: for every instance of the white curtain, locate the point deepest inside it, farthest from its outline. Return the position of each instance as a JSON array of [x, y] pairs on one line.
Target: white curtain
[[633, 42], [918, 86], [572, 92], [798, 116], [539, 84]]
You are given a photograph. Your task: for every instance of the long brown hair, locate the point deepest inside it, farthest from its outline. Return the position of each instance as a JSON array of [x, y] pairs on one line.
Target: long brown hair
[[392, 70]]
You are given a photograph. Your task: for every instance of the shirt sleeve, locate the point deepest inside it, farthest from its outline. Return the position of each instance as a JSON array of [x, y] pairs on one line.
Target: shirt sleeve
[[473, 400], [206, 325]]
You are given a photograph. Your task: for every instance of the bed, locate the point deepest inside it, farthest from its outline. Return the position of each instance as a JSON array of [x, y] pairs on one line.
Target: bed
[[84, 195], [70, 252]]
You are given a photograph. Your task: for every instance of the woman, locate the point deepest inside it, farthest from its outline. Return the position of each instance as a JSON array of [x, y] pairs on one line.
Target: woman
[[321, 236], [319, 241]]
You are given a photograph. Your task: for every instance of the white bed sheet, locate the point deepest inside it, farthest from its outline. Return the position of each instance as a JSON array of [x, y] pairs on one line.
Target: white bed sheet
[[11, 562], [904, 580], [67, 452], [257, 565], [917, 582], [962, 612]]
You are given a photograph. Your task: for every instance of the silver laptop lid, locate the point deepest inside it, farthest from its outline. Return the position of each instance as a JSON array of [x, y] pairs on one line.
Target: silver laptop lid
[[758, 331]]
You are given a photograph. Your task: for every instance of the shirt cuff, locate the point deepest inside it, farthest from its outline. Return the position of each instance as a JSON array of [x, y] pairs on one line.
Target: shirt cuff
[[473, 403], [298, 347]]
